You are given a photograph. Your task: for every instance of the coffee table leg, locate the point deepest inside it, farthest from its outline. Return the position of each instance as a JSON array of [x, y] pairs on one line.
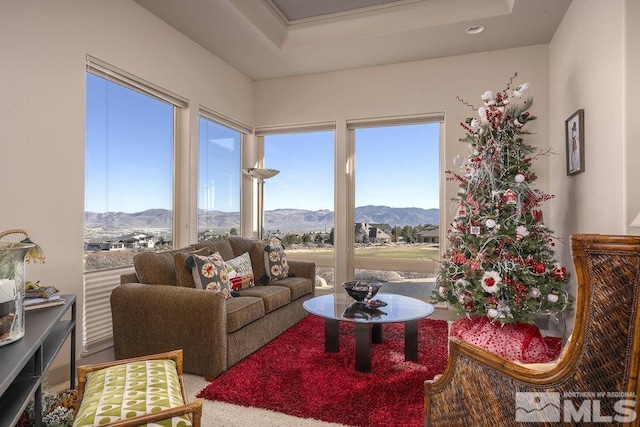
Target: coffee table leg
[[331, 336], [376, 333], [363, 347], [411, 340]]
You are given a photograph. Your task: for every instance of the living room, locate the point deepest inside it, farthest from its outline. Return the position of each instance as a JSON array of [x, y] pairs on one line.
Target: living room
[[590, 63]]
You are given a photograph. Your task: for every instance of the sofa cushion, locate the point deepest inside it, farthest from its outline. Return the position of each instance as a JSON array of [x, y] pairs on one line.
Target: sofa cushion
[[298, 286], [242, 311], [158, 268], [210, 273], [223, 247], [273, 296], [240, 245], [240, 272], [257, 262], [275, 260]]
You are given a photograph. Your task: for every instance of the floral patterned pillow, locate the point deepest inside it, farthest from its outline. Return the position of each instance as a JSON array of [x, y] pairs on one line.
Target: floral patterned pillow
[[275, 260], [240, 272], [210, 273]]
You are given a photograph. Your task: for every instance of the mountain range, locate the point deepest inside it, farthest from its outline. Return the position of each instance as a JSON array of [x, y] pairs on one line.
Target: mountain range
[[299, 220]]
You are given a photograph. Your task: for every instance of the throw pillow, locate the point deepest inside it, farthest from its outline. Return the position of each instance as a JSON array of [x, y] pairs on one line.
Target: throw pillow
[[240, 272], [184, 275], [210, 273], [275, 260]]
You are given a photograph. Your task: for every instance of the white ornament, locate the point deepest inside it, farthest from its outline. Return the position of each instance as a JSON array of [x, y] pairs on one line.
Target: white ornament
[[535, 293], [482, 112], [488, 98], [459, 161], [521, 232], [442, 291], [492, 312], [552, 298], [517, 92], [519, 178], [490, 223]]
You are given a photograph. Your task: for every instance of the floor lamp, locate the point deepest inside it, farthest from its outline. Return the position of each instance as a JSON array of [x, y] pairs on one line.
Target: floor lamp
[[261, 175]]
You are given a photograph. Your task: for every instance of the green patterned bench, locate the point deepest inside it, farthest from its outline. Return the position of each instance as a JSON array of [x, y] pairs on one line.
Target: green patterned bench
[[143, 391]]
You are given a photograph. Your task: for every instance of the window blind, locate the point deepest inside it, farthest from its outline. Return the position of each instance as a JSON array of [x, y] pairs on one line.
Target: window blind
[[304, 127], [116, 75], [394, 120], [225, 120], [97, 331]]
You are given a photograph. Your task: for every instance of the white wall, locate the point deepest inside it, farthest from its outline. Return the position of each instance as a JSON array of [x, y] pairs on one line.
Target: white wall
[[587, 60], [43, 48], [409, 88]]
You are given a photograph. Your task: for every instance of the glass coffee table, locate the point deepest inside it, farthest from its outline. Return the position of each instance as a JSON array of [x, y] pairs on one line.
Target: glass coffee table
[[336, 308]]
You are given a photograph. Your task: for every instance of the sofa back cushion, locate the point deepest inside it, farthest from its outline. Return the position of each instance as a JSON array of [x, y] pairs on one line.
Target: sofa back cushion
[[255, 248], [158, 268], [223, 247]]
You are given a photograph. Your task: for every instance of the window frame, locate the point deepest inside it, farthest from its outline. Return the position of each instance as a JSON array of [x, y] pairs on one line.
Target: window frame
[[97, 332], [260, 133], [388, 264]]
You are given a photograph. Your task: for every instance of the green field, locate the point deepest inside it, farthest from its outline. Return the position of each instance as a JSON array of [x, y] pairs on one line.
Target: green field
[[397, 252]]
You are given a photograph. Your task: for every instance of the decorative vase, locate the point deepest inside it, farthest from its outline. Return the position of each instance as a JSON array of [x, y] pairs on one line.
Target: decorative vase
[[12, 261]]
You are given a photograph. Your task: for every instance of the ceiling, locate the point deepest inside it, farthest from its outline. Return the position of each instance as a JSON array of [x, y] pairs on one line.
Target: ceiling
[[266, 39]]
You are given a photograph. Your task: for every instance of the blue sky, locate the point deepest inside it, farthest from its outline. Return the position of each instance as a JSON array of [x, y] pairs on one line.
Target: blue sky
[[132, 135]]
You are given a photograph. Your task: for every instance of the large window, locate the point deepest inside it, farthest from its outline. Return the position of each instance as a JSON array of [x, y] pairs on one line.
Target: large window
[[129, 185], [219, 159], [299, 201], [395, 199], [128, 174]]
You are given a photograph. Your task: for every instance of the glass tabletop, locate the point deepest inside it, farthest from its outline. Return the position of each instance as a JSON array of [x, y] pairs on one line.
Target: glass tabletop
[[342, 307]]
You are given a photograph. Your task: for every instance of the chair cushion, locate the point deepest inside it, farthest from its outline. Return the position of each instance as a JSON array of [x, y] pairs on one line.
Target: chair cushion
[[273, 296], [242, 311], [158, 268], [129, 390]]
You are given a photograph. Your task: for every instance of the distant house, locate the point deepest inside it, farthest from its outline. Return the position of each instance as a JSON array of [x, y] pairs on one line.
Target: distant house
[[372, 233], [104, 245], [429, 236], [138, 240], [128, 241]]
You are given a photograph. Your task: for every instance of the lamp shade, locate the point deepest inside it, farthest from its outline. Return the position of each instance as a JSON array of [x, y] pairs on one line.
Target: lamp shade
[[261, 173], [635, 222]]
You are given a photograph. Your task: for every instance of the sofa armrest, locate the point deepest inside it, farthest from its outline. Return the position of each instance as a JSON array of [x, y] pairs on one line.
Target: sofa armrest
[[150, 319], [303, 269], [129, 278]]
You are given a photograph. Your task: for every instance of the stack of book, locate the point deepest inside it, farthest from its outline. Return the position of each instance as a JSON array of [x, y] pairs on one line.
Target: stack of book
[[37, 296]]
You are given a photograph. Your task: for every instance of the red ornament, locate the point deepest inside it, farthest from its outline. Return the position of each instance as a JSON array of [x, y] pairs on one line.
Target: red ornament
[[559, 273], [539, 267]]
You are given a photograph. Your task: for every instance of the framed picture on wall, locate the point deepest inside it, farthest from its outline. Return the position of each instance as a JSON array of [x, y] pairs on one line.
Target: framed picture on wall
[[574, 131]]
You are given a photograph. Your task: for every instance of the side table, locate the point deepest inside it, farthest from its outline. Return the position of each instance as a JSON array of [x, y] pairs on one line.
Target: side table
[[25, 363]]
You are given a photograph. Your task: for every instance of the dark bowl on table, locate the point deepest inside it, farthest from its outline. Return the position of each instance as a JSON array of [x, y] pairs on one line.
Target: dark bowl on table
[[362, 290]]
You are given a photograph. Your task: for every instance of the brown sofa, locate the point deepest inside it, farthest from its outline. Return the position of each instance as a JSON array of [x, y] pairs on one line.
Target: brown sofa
[[158, 309]]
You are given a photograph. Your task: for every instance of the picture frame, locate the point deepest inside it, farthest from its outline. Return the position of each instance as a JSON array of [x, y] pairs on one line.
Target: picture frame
[[574, 133]]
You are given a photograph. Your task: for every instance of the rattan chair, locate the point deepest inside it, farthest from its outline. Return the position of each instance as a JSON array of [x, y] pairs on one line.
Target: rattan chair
[[601, 357]]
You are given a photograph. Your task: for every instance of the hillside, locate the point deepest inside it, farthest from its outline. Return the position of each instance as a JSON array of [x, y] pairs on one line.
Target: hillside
[[280, 219]]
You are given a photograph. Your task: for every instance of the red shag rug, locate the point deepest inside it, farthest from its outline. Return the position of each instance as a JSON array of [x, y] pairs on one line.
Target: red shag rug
[[293, 374]]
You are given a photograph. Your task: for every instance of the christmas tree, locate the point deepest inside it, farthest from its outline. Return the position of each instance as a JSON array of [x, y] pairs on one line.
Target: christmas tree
[[499, 262]]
